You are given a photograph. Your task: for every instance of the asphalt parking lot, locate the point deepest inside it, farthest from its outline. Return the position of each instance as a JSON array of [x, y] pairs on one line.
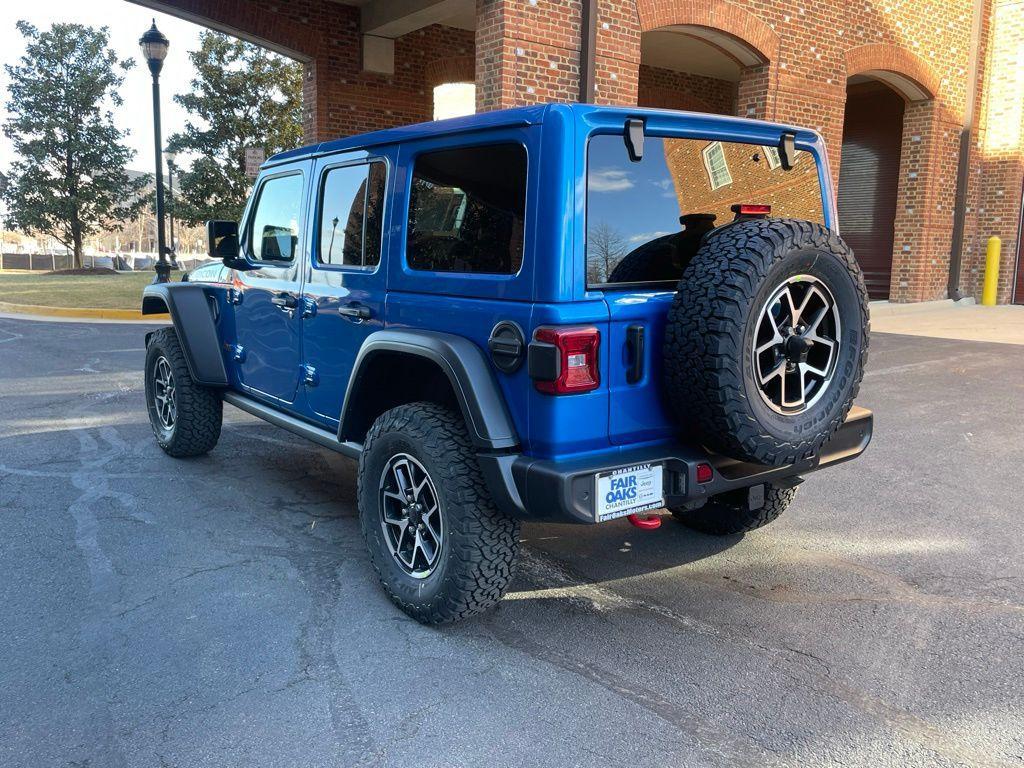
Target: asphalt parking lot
[[222, 611]]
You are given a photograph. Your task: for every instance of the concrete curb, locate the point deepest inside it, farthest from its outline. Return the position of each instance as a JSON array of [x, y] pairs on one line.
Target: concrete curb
[[886, 309], [82, 313]]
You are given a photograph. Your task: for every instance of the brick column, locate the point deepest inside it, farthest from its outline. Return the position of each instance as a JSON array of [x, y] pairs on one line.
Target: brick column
[[997, 173], [752, 92], [342, 99], [925, 202], [526, 53], [617, 60]]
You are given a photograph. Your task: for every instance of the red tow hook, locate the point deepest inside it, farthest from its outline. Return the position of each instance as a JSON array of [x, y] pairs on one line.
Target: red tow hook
[[648, 523]]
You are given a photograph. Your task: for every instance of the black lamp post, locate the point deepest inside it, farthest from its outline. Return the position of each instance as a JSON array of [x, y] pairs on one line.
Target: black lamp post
[[171, 156], [154, 49]]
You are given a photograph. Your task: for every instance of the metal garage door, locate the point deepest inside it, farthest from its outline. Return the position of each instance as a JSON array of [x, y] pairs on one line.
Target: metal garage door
[[868, 179]]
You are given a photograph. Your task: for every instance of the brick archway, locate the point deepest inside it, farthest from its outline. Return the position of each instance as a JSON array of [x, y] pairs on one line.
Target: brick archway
[[453, 69], [715, 15], [920, 226], [901, 69], [733, 31]]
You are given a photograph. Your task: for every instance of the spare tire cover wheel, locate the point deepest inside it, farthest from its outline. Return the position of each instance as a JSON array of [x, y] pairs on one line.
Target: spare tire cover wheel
[[766, 340]]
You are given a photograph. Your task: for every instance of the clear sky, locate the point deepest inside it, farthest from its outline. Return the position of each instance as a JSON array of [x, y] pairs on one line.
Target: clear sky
[[126, 23]]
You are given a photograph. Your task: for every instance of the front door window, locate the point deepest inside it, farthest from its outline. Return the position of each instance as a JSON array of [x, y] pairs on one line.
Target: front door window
[[268, 319], [275, 222]]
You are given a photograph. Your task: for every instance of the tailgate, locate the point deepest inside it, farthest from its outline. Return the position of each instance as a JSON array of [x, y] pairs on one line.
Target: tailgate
[[636, 408]]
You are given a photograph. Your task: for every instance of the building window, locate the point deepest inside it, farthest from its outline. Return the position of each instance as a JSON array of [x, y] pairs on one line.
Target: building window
[[717, 168], [466, 210], [351, 215]]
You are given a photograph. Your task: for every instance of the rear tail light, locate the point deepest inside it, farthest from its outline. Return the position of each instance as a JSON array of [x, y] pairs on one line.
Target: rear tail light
[[749, 209], [563, 361], [705, 474]]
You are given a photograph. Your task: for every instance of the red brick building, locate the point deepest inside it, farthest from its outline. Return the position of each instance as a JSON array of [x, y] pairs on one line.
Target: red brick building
[[891, 84]]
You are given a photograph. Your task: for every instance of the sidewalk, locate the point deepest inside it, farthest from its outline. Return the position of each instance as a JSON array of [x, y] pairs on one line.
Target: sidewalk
[[1003, 324]]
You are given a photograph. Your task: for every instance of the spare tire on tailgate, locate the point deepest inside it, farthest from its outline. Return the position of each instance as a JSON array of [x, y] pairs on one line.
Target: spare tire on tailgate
[[766, 340]]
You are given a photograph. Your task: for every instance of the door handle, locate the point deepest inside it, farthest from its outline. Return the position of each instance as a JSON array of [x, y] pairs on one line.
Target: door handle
[[635, 343], [356, 310], [285, 301]]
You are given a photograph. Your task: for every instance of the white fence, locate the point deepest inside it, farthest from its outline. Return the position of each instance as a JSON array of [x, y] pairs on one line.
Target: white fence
[[125, 262]]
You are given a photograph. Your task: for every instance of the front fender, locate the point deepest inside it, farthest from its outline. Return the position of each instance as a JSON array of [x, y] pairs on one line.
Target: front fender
[[193, 321]]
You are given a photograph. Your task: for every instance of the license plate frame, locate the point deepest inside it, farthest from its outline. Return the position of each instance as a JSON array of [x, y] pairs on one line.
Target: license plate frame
[[628, 491]]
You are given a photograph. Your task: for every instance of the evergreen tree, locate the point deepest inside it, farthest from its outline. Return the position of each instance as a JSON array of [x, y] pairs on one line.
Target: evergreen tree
[[242, 96], [68, 179]]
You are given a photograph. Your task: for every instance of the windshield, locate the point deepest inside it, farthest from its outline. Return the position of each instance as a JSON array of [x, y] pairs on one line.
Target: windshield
[[645, 220]]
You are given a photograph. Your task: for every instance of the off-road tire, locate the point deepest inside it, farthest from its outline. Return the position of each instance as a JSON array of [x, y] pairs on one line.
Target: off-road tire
[[197, 424], [479, 542], [729, 514], [708, 353]]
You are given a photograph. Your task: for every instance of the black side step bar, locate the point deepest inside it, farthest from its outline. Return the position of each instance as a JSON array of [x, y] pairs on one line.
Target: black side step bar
[[318, 435]]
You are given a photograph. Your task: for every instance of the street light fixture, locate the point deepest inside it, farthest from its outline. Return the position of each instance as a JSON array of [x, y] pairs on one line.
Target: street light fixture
[[154, 46], [171, 157]]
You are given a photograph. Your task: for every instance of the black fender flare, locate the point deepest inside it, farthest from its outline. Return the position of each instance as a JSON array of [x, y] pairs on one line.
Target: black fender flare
[[469, 373], [193, 321]]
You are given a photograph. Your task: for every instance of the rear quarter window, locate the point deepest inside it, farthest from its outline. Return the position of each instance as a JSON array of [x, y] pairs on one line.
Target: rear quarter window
[[466, 210], [645, 220]]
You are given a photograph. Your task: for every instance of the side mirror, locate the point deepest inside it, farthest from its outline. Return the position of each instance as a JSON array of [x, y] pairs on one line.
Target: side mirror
[[222, 242]]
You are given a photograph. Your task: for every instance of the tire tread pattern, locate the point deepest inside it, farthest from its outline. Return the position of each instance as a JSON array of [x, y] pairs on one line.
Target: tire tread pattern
[[199, 409], [703, 339], [482, 542]]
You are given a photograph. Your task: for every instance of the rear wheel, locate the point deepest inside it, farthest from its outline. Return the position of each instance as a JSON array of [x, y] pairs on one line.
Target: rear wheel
[[185, 416], [441, 548], [730, 513]]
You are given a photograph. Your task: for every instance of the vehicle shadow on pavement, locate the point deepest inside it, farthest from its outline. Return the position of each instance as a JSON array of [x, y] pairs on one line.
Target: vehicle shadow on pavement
[[624, 551], [320, 484]]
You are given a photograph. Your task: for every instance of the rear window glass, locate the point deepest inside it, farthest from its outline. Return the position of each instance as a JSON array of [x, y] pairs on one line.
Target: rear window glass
[[645, 220], [466, 210], [351, 214]]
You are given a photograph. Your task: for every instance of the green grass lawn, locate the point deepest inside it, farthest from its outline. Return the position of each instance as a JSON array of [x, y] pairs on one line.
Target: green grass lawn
[[102, 292]]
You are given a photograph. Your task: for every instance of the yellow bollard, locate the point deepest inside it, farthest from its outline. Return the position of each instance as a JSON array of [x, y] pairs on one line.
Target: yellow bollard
[[988, 293]]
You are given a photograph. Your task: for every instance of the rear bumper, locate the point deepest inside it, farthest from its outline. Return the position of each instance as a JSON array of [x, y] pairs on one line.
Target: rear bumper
[[563, 491]]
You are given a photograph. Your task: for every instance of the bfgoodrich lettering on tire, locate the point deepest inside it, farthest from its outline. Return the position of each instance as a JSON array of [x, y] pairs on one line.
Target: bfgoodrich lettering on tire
[[767, 339], [440, 547]]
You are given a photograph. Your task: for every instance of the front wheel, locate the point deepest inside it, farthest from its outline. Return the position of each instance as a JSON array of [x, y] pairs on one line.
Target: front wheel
[[185, 416], [440, 547]]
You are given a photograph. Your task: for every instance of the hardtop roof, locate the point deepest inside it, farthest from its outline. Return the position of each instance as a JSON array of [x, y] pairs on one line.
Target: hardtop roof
[[505, 118]]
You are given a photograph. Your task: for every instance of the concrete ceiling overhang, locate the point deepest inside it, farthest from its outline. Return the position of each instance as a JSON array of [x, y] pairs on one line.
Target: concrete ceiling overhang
[[394, 18]]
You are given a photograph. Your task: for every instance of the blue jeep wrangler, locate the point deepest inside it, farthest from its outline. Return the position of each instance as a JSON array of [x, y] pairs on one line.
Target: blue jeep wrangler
[[558, 313]]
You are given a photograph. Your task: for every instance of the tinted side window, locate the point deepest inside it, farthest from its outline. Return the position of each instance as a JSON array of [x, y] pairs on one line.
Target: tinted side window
[[274, 232], [466, 210], [351, 215]]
